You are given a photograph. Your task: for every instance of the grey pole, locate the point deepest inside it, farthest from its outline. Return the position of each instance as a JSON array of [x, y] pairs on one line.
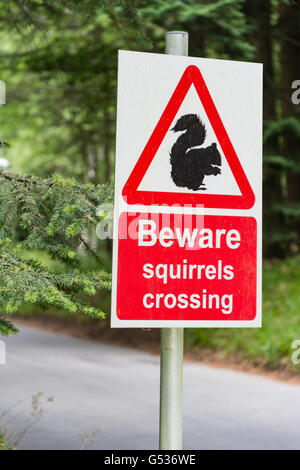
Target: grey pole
[[171, 356], [177, 43]]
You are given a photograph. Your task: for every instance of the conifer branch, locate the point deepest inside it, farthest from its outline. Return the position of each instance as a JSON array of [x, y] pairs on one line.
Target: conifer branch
[[50, 216]]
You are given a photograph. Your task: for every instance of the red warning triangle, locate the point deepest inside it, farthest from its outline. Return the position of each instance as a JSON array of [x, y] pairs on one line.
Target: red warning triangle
[[132, 195]]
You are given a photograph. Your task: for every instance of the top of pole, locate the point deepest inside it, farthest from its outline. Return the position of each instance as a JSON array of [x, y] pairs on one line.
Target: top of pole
[[177, 43]]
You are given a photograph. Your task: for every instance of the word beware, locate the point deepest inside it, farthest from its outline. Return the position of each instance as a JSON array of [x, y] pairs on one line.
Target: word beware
[[205, 237]]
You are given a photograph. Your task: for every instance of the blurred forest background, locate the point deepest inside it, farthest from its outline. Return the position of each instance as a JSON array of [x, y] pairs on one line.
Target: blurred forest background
[[59, 63]]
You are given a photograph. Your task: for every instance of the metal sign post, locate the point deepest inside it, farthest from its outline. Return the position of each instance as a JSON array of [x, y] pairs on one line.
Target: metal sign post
[[171, 372], [171, 356]]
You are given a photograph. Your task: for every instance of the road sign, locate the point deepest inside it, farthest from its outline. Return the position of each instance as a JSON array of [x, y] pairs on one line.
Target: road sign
[[187, 232], [245, 200]]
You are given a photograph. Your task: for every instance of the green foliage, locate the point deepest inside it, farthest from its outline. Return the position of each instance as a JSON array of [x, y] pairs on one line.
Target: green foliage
[[61, 67], [54, 216], [3, 445], [60, 63], [289, 125], [282, 163], [216, 28]]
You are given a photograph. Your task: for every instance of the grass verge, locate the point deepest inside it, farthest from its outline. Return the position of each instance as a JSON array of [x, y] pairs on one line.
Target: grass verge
[[271, 345], [3, 446]]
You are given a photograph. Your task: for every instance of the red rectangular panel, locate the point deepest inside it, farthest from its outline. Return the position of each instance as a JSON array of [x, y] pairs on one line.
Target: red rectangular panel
[[175, 267]]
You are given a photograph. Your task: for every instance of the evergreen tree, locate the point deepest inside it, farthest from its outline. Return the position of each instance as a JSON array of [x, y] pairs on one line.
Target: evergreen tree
[[50, 215]]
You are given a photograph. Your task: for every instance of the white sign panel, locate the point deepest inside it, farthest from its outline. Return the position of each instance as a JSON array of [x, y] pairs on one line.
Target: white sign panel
[[187, 225]]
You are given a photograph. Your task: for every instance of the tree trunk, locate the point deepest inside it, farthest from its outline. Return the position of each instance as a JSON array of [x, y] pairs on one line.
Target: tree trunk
[[107, 145], [289, 27], [259, 16]]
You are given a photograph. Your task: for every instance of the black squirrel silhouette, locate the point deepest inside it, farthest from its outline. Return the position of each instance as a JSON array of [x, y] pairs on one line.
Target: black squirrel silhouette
[[190, 165]]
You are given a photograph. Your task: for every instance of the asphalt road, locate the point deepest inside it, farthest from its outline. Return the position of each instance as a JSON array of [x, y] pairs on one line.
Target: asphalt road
[[110, 394]]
